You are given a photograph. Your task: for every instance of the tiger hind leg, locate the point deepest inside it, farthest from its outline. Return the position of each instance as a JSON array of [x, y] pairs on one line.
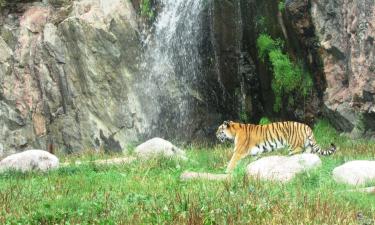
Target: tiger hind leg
[[316, 149]]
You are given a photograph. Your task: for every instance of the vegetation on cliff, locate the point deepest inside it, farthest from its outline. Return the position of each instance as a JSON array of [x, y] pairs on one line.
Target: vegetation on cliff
[[290, 81]]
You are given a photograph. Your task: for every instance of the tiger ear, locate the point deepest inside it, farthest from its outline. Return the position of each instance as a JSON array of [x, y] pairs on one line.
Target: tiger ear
[[227, 123]]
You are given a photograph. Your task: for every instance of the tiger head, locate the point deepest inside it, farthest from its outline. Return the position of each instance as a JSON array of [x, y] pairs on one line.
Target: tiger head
[[224, 132]]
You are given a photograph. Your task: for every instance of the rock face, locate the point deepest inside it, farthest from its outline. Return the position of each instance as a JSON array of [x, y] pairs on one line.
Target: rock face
[[340, 34], [282, 168], [158, 147], [357, 172], [30, 160], [66, 75], [72, 78], [346, 31], [333, 39]]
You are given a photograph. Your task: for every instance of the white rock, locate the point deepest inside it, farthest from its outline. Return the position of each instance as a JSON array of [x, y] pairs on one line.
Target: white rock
[[112, 161], [282, 168], [203, 176], [29, 160], [357, 172], [159, 147]]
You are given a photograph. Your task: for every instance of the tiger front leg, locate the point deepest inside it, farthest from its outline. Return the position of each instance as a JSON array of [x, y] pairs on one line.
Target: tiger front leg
[[237, 156]]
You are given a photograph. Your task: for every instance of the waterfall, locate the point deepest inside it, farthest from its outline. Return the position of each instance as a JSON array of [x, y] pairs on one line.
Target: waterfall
[[171, 68]]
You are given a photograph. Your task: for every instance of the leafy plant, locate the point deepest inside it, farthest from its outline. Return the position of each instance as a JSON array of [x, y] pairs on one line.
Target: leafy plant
[[281, 6], [147, 10], [264, 121], [2, 4], [265, 44], [289, 78], [261, 23]]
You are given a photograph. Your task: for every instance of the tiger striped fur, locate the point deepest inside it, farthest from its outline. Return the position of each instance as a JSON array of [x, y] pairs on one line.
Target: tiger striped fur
[[250, 139]]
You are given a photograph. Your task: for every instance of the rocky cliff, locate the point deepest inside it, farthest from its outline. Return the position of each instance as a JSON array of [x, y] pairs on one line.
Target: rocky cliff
[[77, 74], [346, 32], [66, 75], [335, 42]]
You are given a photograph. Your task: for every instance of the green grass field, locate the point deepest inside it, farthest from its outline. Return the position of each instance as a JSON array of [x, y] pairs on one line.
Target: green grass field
[[152, 193]]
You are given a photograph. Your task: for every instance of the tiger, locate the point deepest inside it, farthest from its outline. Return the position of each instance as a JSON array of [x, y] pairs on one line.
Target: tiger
[[251, 139]]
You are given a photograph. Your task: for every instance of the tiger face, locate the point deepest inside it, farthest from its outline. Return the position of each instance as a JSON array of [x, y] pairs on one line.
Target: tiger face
[[224, 133]]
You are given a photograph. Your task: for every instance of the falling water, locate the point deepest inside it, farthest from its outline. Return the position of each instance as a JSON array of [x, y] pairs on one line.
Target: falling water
[[172, 65]]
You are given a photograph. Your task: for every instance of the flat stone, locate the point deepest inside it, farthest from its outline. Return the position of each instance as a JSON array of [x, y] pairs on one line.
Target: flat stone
[[358, 172], [282, 168], [113, 161], [203, 176]]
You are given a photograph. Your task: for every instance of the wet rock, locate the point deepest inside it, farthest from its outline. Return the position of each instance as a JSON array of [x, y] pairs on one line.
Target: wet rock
[[357, 172], [30, 160], [282, 168], [158, 147]]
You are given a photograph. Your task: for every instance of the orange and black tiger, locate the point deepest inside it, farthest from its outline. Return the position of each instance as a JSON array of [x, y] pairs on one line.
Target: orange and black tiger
[[250, 139]]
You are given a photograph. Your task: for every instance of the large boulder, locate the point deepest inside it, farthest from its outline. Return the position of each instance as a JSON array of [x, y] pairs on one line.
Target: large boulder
[[158, 147], [30, 160], [357, 172], [282, 168]]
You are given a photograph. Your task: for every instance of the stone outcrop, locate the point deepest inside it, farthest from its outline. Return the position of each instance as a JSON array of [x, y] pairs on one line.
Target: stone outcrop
[[282, 168], [30, 160]]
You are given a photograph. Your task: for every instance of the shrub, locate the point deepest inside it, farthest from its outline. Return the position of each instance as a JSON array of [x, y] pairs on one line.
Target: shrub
[[288, 78], [281, 6], [147, 9], [265, 44], [264, 121], [2, 4]]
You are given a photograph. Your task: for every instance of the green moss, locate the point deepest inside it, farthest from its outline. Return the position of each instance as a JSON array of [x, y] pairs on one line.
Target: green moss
[[261, 24], [147, 10], [2, 4], [289, 78], [281, 6], [265, 44], [264, 121], [243, 117]]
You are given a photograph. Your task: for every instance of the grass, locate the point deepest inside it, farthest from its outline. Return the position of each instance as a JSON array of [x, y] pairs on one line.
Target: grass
[[152, 193]]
